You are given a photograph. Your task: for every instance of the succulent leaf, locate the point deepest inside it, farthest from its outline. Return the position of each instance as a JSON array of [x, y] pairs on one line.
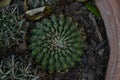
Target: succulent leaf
[[56, 43]]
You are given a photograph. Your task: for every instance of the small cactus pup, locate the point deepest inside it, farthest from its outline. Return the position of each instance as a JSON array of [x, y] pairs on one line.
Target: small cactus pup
[[17, 68], [39, 3], [56, 44], [11, 28]]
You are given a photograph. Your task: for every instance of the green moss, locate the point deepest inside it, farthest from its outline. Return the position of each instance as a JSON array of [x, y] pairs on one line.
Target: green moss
[[56, 43], [11, 28]]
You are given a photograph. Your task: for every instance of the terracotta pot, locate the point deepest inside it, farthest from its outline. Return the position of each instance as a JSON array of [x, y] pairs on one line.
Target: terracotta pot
[[110, 12]]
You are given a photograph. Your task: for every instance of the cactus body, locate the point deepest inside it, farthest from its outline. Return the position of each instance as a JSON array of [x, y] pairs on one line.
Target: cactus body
[[16, 68], [11, 28], [38, 3], [56, 43]]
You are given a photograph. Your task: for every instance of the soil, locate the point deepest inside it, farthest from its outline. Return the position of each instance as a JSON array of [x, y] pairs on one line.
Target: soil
[[96, 52]]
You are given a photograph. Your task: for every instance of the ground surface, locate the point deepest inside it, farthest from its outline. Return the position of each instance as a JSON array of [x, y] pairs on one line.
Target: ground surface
[[96, 52]]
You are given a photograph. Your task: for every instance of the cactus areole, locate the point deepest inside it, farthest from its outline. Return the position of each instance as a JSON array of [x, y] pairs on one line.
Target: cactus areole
[[56, 43]]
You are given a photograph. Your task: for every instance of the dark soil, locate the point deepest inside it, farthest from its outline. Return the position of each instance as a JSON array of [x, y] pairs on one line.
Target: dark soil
[[96, 52]]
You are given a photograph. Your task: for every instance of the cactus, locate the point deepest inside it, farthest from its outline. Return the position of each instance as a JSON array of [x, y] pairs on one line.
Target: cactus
[[11, 28], [38, 3], [56, 43], [16, 68]]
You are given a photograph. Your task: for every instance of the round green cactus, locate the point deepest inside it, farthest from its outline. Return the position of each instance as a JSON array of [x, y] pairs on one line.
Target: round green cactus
[[56, 43], [11, 28]]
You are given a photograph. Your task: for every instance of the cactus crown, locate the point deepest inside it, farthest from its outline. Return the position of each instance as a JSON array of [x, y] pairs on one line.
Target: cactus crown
[[56, 43], [11, 28]]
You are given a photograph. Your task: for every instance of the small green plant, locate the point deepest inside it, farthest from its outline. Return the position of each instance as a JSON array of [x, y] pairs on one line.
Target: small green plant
[[93, 10], [56, 43], [16, 68], [38, 3], [11, 28]]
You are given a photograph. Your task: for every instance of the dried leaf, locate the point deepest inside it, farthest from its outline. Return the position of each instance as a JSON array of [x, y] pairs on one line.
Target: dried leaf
[[25, 5], [4, 3], [35, 11], [38, 13]]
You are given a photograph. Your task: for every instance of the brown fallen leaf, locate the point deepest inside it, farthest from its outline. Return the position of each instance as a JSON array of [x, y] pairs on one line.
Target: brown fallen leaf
[[4, 3], [32, 12], [25, 5], [37, 13]]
